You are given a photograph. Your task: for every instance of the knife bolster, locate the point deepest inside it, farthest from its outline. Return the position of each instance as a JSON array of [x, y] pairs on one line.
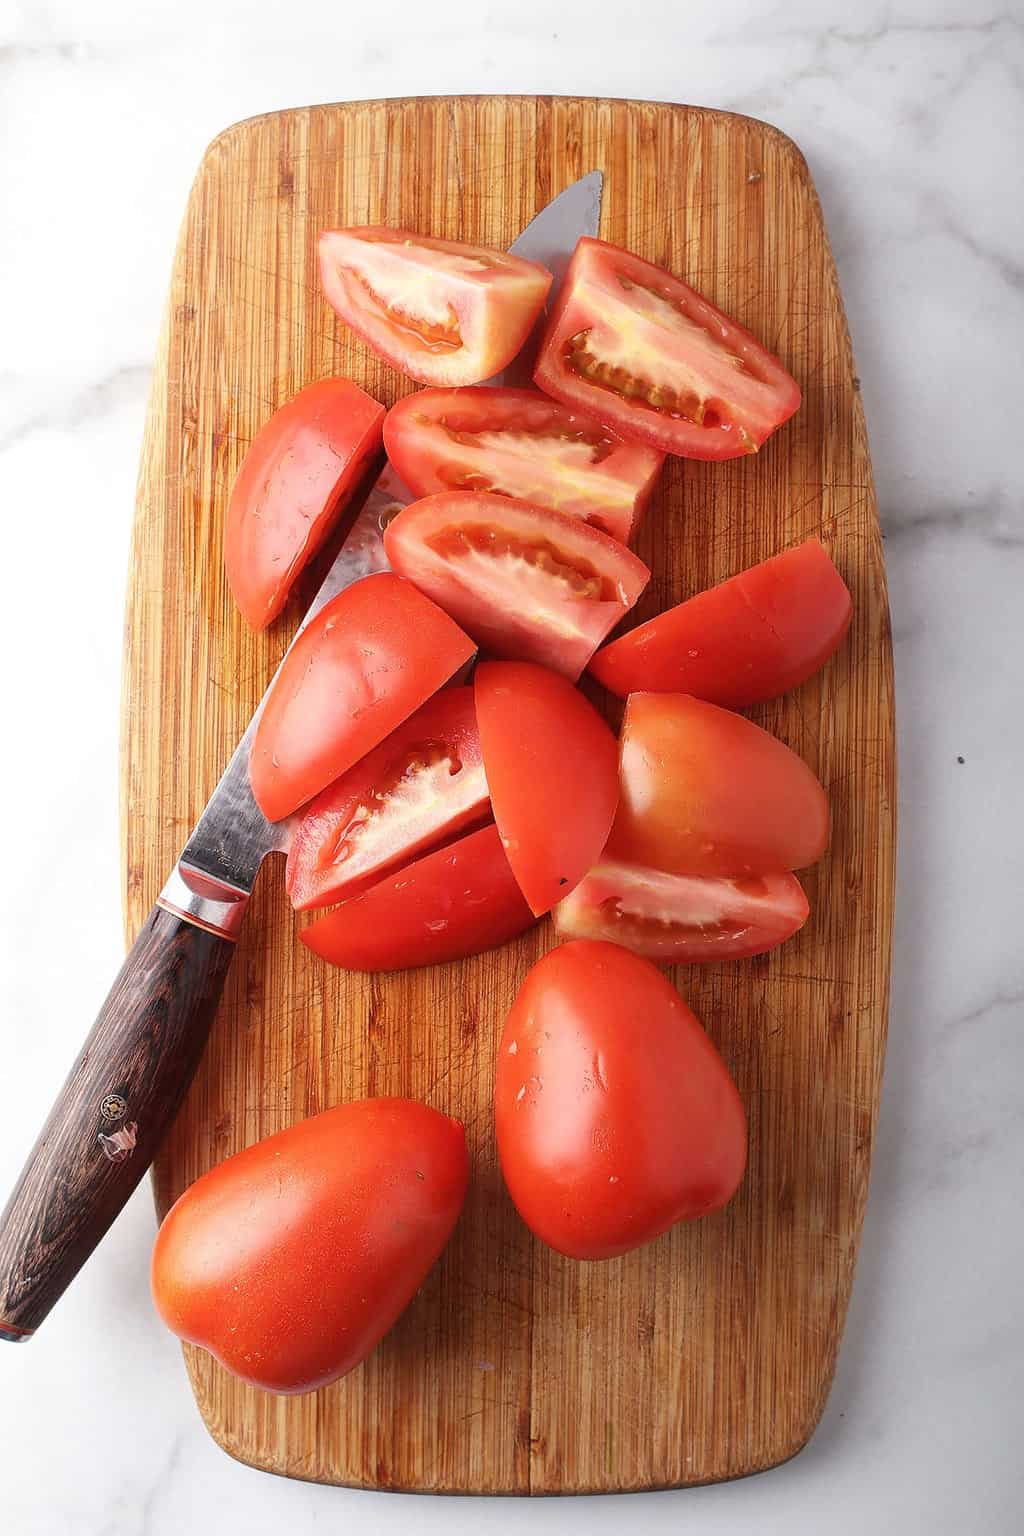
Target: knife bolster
[[203, 901]]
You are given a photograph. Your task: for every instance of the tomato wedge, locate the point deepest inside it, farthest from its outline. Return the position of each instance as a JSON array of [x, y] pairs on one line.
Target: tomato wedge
[[706, 792], [638, 348], [439, 310], [526, 582], [423, 783], [751, 638], [551, 767], [520, 443], [453, 902], [683, 918], [298, 473], [374, 654]]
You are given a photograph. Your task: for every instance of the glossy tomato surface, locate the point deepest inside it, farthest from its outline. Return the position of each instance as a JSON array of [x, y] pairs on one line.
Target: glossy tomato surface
[[295, 479], [454, 902], [751, 638], [440, 311], [520, 443], [524, 581], [706, 792], [371, 657], [423, 783], [638, 348], [292, 1259], [682, 919], [551, 768], [616, 1116]]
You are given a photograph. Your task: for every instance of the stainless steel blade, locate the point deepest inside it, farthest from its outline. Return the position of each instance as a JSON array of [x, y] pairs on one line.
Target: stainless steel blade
[[232, 837]]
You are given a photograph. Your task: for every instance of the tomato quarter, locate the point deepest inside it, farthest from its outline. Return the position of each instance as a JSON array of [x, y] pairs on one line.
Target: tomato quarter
[[636, 347]]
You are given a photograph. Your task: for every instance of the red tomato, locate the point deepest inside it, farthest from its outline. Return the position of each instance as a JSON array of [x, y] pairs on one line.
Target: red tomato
[[751, 638], [292, 1259], [519, 443], [423, 783], [551, 767], [682, 918], [375, 653], [637, 348], [454, 902], [706, 792], [441, 311], [524, 581], [616, 1116], [298, 473]]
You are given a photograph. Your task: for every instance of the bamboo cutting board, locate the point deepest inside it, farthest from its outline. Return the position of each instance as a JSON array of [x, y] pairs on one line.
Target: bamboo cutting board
[[708, 1354]]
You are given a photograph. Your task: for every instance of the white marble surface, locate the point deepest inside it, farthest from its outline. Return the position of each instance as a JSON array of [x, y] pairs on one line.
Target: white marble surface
[[910, 114]]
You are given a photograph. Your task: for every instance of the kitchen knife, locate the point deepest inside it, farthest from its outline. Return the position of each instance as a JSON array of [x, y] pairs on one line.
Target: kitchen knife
[[132, 1073]]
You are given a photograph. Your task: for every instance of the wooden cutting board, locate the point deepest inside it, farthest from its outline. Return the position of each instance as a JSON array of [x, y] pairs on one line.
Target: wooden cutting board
[[708, 1354]]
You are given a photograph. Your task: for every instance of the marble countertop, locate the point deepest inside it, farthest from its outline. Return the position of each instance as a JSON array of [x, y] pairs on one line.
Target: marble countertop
[[105, 109]]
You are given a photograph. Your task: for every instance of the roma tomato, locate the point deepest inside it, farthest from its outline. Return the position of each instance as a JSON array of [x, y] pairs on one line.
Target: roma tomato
[[524, 581], [638, 348], [551, 768], [679, 919], [295, 479], [374, 654], [520, 443], [454, 902], [423, 783], [706, 792], [751, 638], [292, 1259], [441, 311], [616, 1116]]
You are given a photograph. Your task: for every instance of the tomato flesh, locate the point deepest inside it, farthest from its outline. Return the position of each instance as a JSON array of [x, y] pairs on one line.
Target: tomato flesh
[[442, 311], [681, 919], [520, 443], [369, 658], [641, 350], [454, 902], [616, 1116], [526, 582]]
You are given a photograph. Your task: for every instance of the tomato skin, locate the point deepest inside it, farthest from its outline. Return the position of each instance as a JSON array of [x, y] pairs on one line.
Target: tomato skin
[[520, 443], [704, 791], [297, 474], [454, 902], [551, 767], [682, 919], [526, 582], [290, 1260], [441, 311], [654, 333], [616, 1117], [749, 639], [423, 783], [370, 657]]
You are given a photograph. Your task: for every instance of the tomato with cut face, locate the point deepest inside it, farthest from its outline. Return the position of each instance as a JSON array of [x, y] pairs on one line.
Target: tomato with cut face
[[297, 474], [423, 783], [616, 1116], [636, 347], [751, 638], [441, 311], [524, 581], [520, 443], [682, 918], [551, 769], [368, 659], [454, 902], [704, 791]]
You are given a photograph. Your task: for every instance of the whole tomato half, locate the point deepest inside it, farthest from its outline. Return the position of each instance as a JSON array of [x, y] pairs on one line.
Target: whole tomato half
[[292, 1259]]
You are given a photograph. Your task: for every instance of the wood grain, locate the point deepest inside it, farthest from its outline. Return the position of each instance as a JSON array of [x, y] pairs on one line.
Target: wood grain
[[709, 1354]]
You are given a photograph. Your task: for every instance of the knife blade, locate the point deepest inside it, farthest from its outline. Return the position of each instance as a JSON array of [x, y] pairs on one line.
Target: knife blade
[[132, 1073]]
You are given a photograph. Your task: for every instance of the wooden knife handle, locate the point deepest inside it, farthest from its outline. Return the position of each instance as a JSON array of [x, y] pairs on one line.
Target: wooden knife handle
[[111, 1114]]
